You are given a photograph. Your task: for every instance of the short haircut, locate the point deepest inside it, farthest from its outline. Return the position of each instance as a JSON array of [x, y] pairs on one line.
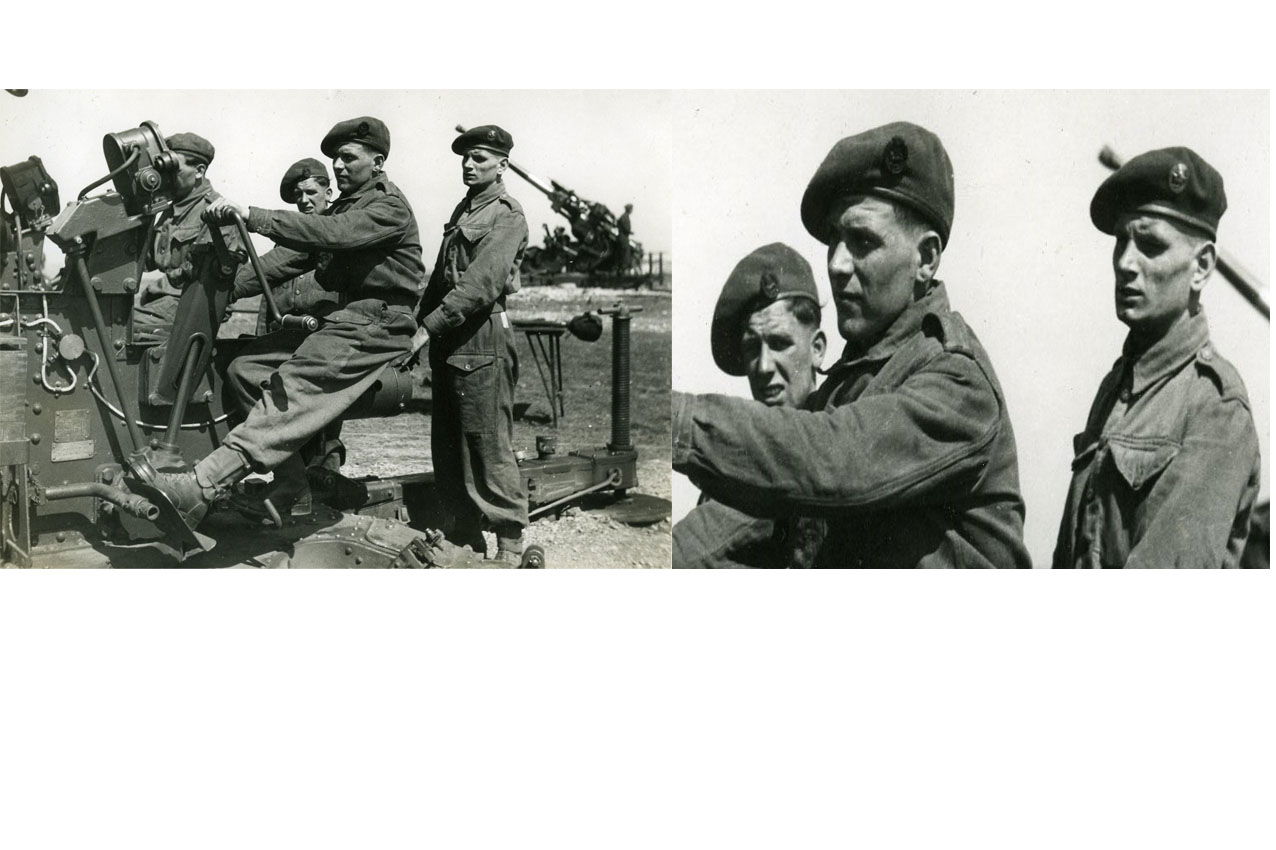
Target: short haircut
[[370, 149], [321, 179], [806, 311], [912, 219]]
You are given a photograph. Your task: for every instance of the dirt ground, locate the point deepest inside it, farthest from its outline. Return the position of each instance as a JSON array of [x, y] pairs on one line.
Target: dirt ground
[[401, 445]]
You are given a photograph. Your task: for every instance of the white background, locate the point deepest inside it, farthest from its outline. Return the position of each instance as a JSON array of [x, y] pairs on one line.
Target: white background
[[645, 709], [1024, 265]]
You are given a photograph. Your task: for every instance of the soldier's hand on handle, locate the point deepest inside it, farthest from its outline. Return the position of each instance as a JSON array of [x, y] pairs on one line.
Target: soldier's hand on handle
[[419, 341], [153, 285], [220, 211]]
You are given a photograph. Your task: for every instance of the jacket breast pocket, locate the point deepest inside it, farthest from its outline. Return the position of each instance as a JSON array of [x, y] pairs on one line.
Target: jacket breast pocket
[[474, 233], [473, 380], [1140, 460], [180, 260]]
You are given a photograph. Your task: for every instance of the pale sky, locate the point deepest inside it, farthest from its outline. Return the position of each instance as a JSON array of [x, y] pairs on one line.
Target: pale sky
[[610, 146], [1024, 265]]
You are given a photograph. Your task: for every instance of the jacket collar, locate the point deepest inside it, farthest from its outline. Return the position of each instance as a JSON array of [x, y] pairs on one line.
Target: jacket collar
[[906, 325], [1167, 354], [183, 207], [381, 181], [483, 197]]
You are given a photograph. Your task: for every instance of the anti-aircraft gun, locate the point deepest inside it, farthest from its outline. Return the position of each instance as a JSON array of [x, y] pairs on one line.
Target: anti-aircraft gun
[[593, 243], [77, 451]]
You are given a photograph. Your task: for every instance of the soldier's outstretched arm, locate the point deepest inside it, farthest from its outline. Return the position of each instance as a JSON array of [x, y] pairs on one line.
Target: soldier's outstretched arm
[[384, 219], [919, 444], [485, 279], [1201, 504]]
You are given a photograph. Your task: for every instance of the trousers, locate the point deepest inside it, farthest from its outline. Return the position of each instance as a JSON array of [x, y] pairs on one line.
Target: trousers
[[472, 430], [291, 391]]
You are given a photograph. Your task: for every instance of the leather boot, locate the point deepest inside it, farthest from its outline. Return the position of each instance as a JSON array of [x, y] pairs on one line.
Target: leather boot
[[193, 492], [509, 546]]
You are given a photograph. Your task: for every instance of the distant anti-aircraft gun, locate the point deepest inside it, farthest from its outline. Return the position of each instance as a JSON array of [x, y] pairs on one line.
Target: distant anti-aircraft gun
[[596, 244]]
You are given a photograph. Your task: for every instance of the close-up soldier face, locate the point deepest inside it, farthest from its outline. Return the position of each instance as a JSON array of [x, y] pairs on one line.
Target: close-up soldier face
[[354, 165], [312, 196], [781, 354], [1157, 267], [873, 259], [189, 172], [479, 167]]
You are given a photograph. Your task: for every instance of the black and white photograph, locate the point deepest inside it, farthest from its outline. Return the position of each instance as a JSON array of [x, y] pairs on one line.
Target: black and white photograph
[[299, 329], [971, 329]]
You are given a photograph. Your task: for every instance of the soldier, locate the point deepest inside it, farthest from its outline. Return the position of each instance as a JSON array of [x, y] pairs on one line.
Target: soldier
[[366, 246], [1166, 471], [181, 252], [306, 185], [473, 363], [905, 456], [625, 229], [766, 325]]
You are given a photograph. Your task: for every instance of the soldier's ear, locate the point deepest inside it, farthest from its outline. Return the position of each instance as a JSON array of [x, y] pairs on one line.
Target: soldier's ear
[[819, 345], [502, 165], [378, 162], [1203, 263], [929, 250]]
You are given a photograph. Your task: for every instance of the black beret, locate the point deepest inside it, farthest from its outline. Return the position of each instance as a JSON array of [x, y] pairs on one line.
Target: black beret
[[191, 145], [489, 136], [302, 169], [769, 274], [366, 130], [1173, 182], [900, 162]]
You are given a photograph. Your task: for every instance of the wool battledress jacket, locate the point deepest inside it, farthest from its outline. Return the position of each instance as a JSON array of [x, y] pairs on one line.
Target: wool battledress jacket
[[904, 456], [1166, 472]]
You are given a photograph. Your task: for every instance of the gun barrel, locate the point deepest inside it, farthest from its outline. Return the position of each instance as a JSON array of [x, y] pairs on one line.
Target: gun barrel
[[1235, 274]]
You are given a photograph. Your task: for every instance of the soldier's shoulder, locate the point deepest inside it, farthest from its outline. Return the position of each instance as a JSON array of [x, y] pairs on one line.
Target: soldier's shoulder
[[510, 203], [392, 190], [951, 333], [1220, 375]]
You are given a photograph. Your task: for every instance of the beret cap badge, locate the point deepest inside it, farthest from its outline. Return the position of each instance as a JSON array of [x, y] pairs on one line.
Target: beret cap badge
[[895, 156], [770, 284], [491, 135], [1178, 177], [363, 129]]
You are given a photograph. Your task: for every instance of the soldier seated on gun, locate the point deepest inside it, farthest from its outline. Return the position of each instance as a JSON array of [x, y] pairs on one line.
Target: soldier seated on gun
[[306, 185], [181, 251], [766, 325], [366, 246]]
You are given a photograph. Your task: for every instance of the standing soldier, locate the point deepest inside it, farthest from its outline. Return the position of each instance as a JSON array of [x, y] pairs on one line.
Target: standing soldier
[[1166, 471], [182, 251], [766, 326], [473, 363], [365, 246], [625, 229], [905, 456]]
